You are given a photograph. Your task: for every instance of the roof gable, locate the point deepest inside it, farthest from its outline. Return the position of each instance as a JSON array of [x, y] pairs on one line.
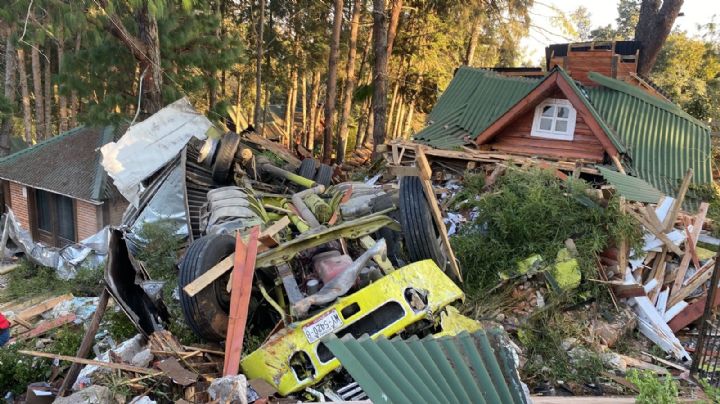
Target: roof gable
[[556, 80], [66, 164]]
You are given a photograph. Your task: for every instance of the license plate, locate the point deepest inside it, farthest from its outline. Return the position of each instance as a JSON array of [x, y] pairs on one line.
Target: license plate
[[322, 326]]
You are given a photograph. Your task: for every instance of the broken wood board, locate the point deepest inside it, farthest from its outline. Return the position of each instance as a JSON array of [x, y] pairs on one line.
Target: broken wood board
[[118, 366], [267, 237], [691, 313], [703, 275], [44, 327], [669, 221], [657, 233], [436, 214], [209, 276], [695, 235], [175, 371], [41, 308]]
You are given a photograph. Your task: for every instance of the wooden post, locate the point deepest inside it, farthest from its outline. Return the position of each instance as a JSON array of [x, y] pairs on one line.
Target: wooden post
[[242, 279], [622, 245], [86, 344]]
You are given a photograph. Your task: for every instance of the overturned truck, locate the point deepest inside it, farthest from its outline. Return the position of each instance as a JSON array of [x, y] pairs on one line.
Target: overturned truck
[[326, 264]]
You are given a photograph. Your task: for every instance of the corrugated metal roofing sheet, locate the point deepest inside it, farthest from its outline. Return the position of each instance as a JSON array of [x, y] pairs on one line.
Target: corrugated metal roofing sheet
[[474, 99], [661, 140], [632, 188], [464, 368]]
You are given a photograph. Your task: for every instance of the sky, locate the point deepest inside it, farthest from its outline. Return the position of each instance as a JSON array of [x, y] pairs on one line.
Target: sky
[[602, 12]]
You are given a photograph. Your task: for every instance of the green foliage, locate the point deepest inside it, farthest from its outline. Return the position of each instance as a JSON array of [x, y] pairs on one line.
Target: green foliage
[[17, 370], [118, 325], [688, 69], [532, 212], [29, 280], [712, 392], [653, 389]]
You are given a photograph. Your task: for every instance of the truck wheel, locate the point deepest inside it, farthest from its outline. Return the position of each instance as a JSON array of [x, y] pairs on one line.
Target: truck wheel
[[324, 175], [224, 157], [419, 232], [207, 312], [307, 168]]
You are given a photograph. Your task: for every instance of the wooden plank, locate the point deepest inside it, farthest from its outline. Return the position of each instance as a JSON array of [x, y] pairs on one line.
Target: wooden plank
[[422, 164], [87, 342], [437, 216], [669, 221], [691, 313], [209, 276], [658, 273], [685, 262], [702, 276], [118, 366], [243, 273], [403, 171], [41, 308], [44, 327], [657, 233], [267, 236]]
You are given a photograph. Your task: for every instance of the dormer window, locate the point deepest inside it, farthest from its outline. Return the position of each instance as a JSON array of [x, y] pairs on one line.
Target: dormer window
[[554, 119]]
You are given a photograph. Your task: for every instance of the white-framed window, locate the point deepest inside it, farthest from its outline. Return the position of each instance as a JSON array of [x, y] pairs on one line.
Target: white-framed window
[[554, 119]]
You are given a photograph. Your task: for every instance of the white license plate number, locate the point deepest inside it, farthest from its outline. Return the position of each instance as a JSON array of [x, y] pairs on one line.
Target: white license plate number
[[322, 326]]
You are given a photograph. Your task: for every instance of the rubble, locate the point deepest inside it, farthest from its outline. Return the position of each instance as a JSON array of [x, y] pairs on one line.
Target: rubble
[[229, 389]]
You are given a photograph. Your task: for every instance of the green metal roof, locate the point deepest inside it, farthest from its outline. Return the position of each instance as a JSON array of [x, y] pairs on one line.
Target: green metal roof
[[466, 368], [474, 99], [661, 140], [632, 188]]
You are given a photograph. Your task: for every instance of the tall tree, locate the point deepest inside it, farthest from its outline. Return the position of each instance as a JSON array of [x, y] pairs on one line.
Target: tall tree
[[9, 87], [580, 18], [393, 25], [38, 92], [379, 97], [331, 92], [350, 79], [145, 47], [27, 112], [654, 25], [258, 66]]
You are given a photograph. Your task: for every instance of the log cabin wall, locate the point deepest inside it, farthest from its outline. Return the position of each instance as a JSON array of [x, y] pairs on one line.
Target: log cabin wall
[[516, 139]]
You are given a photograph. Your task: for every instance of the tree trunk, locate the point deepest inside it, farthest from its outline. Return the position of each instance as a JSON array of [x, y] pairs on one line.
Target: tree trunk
[[379, 99], [48, 98], [27, 113], [653, 27], [38, 93], [364, 58], [393, 104], [408, 121], [74, 98], [314, 97], [370, 125], [152, 83], [291, 132], [398, 120], [350, 81], [62, 99], [10, 68], [288, 109], [238, 105], [258, 65], [303, 140], [331, 91], [394, 21], [472, 44]]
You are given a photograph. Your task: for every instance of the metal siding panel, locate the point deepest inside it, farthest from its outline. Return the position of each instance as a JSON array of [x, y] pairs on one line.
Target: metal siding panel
[[480, 387], [488, 358], [423, 355], [393, 359]]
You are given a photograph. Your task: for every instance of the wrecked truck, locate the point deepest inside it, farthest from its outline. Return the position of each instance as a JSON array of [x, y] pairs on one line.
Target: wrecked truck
[[335, 259]]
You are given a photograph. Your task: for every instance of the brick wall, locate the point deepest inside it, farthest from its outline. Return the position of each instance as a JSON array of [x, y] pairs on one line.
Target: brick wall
[[116, 207], [88, 218], [19, 204]]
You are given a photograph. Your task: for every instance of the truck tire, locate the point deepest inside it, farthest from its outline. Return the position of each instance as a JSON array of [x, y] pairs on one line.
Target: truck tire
[[324, 175], [222, 167], [207, 312], [420, 236], [307, 169]]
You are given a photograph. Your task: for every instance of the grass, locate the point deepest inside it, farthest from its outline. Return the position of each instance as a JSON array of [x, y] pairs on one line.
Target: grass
[[654, 389], [29, 280]]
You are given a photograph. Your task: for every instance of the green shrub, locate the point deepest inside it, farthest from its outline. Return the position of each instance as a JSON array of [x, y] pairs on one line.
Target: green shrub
[[18, 370], [654, 389], [533, 212], [712, 392], [29, 280]]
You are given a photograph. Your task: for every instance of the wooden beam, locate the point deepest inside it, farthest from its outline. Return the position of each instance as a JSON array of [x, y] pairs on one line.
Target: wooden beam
[[118, 366], [45, 326], [243, 273], [677, 205], [657, 233], [41, 308], [422, 164], [87, 342], [658, 273], [702, 276], [209, 276], [685, 262], [267, 236], [437, 216]]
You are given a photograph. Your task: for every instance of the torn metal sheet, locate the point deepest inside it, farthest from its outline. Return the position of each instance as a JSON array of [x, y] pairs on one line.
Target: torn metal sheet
[[88, 253], [166, 204], [149, 145]]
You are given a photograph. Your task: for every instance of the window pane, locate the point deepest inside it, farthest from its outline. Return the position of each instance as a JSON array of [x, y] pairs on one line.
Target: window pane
[[548, 110], [42, 202], [545, 124], [66, 218], [560, 126], [563, 112]]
